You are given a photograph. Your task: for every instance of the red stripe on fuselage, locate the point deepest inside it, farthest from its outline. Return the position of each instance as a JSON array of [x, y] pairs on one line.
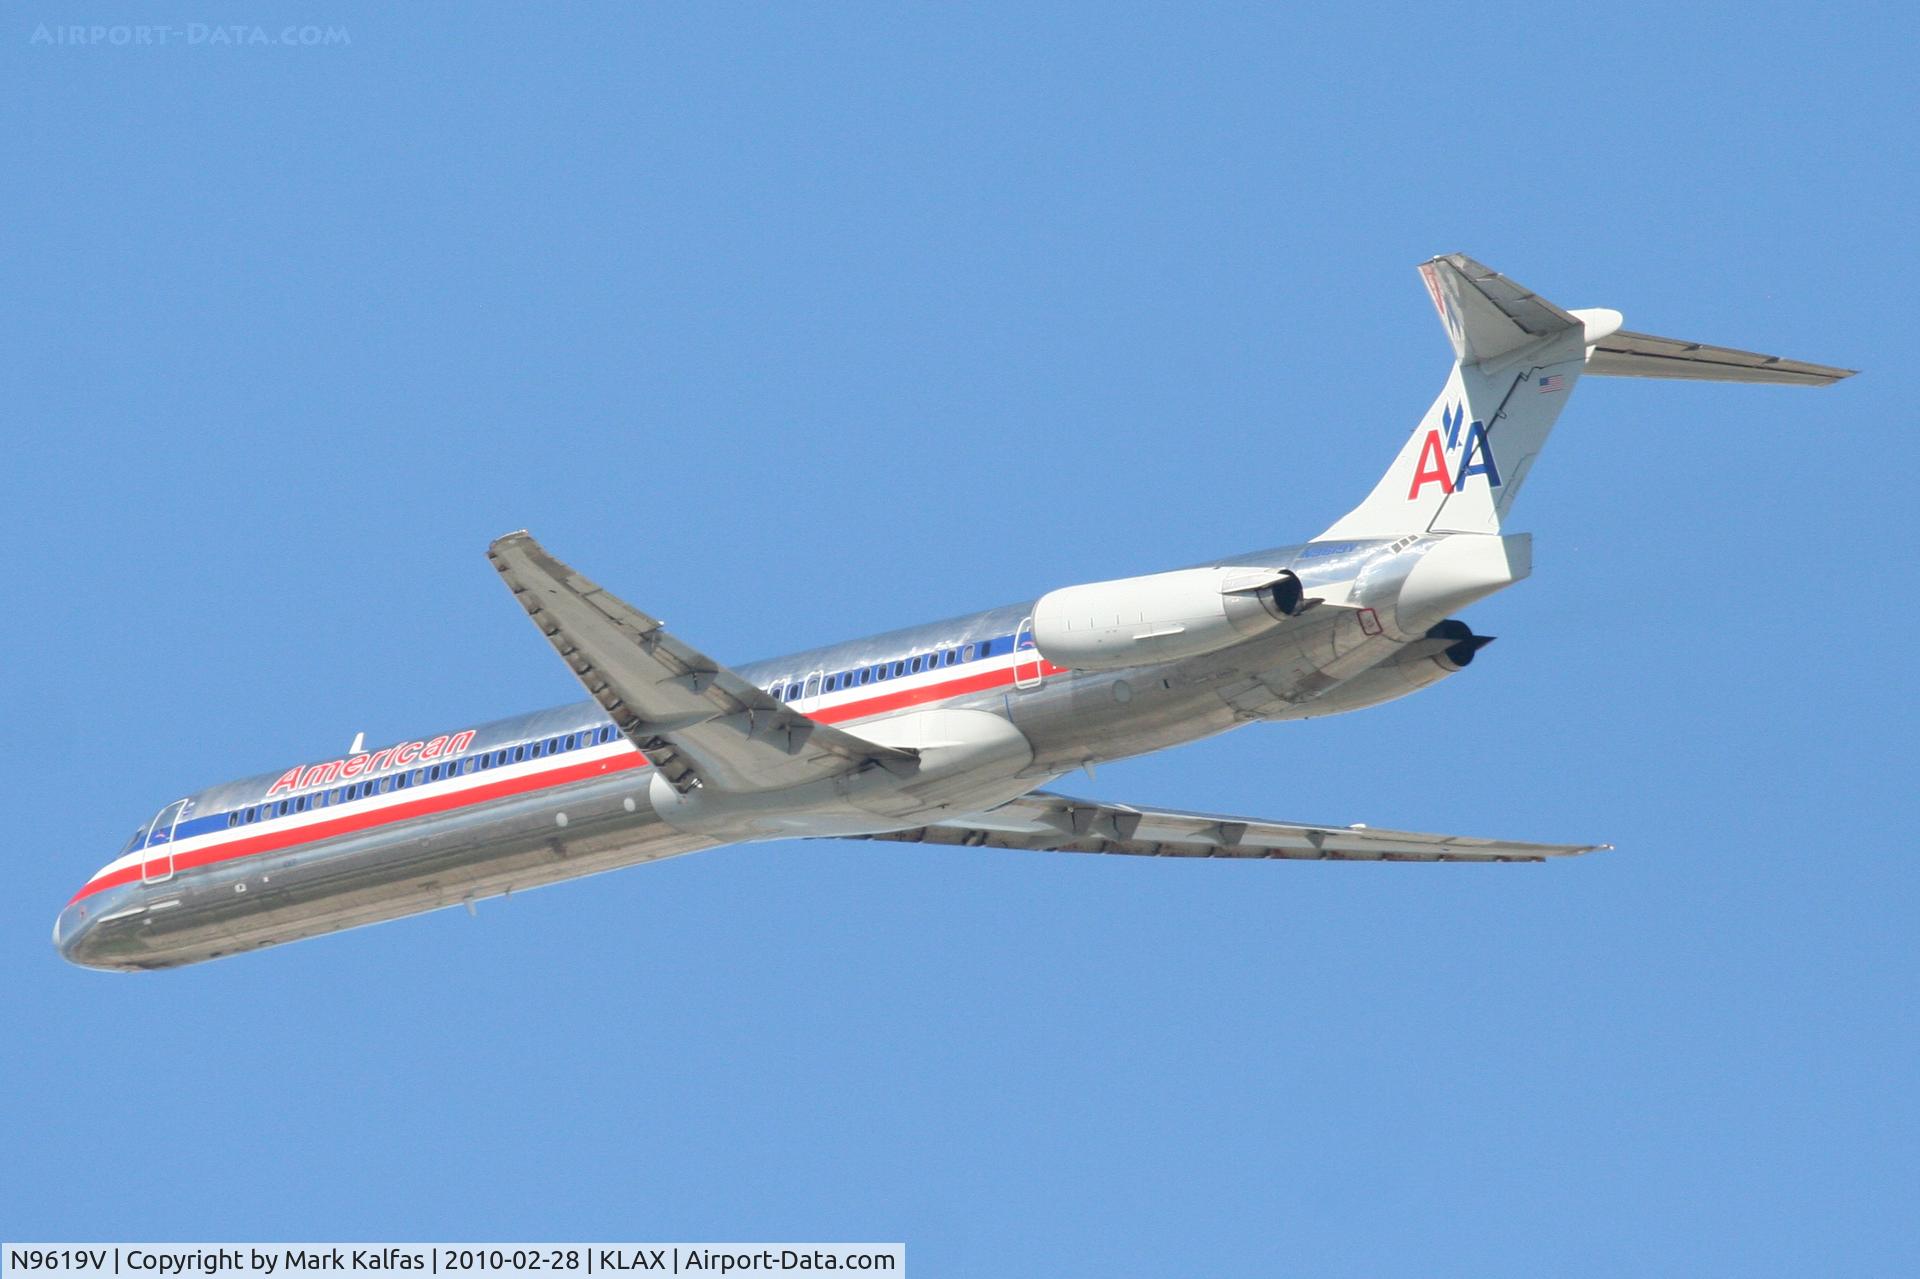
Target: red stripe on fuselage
[[506, 788], [885, 702], [352, 823]]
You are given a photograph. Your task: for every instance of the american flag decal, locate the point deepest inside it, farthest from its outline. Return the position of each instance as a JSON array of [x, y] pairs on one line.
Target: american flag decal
[[1548, 385]]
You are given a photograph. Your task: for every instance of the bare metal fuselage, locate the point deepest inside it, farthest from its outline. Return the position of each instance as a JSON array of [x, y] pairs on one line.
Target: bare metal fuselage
[[1040, 722]]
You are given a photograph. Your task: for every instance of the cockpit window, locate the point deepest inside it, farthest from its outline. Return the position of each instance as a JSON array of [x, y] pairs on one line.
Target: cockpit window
[[138, 836]]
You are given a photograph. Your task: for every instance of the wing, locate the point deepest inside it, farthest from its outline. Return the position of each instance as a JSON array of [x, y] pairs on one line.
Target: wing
[[1047, 822], [696, 721]]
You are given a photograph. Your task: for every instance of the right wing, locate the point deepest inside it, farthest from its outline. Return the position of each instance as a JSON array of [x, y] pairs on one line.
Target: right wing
[[1046, 822], [696, 721]]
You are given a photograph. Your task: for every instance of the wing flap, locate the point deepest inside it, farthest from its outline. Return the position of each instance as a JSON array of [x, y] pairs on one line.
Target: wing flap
[[696, 721], [1046, 822]]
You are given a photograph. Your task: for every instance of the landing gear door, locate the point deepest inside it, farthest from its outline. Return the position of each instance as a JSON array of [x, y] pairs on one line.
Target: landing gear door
[[156, 859], [1028, 666]]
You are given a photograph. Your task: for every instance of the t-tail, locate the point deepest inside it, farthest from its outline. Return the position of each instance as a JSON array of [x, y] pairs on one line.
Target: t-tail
[[1516, 359]]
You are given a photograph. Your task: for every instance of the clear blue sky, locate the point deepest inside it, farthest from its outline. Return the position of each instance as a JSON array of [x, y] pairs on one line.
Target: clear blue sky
[[792, 322]]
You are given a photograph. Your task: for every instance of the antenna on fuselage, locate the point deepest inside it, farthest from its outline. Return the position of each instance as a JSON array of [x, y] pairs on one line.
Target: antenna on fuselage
[[359, 744]]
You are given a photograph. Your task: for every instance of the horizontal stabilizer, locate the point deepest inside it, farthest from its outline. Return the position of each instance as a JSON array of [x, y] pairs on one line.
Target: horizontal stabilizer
[[1486, 314], [1046, 822], [1625, 354]]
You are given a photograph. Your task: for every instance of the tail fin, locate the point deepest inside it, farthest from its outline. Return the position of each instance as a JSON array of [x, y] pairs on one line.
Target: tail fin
[[1516, 359]]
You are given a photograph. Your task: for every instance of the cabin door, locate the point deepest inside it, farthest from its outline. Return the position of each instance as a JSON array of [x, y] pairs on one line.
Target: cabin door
[[1027, 662], [156, 859]]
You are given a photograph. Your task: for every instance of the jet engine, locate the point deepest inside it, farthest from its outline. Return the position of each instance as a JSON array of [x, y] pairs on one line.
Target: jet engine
[[1457, 645], [1447, 647], [1162, 617]]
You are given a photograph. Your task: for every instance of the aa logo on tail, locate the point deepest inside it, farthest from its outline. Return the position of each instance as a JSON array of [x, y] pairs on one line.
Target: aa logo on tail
[[1449, 457]]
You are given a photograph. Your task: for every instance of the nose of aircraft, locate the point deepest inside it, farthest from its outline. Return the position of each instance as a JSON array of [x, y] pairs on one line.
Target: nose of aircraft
[[69, 932], [76, 936]]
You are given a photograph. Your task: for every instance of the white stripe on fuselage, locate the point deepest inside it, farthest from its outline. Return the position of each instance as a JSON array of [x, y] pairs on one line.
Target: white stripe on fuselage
[[526, 768]]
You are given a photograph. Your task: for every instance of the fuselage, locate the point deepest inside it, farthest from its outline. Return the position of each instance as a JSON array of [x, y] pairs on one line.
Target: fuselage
[[479, 810]]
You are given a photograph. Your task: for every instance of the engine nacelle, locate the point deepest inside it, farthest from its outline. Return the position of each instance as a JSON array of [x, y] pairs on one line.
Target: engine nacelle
[[1162, 617], [1447, 647]]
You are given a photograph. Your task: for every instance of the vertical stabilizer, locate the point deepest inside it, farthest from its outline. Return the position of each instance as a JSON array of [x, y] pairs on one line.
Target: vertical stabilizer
[[1516, 358]]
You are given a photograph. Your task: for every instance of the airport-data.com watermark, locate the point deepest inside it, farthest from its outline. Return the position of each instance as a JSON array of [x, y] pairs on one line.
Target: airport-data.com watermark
[[187, 35]]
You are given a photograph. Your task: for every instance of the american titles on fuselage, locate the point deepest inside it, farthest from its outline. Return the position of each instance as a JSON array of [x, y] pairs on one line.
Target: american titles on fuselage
[[405, 755]]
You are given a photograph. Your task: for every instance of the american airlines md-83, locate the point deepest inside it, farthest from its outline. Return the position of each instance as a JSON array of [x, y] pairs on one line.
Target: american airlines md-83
[[941, 734]]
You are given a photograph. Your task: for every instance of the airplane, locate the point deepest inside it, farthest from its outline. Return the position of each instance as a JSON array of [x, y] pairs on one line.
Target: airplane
[[945, 733]]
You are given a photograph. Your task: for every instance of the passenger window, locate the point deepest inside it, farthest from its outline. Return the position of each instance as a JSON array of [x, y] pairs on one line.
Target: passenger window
[[966, 654], [793, 692], [284, 806], [417, 776], [233, 819], [519, 754]]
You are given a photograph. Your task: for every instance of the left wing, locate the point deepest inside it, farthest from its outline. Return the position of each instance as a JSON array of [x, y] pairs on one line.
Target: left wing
[[696, 721], [1047, 822]]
